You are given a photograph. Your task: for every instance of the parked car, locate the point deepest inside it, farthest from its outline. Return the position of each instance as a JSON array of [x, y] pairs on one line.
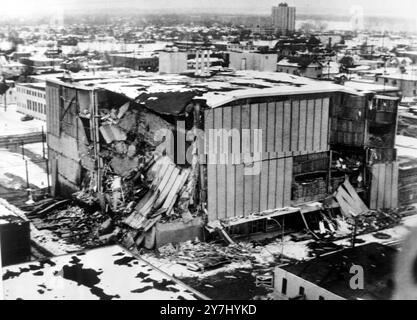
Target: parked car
[[26, 118]]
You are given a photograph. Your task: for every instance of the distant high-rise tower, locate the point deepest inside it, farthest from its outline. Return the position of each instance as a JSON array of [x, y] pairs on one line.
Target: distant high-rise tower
[[57, 20], [283, 18]]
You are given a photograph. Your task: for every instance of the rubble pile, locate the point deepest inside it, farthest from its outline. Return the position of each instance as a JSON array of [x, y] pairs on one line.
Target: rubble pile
[[72, 224], [141, 184], [200, 256]]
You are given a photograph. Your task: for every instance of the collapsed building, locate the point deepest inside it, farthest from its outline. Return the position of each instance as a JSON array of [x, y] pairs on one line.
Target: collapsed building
[[165, 155]]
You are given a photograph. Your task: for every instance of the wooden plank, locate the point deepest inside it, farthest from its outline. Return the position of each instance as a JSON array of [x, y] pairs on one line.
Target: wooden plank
[[295, 123], [254, 124], [344, 206], [286, 144], [280, 183], [218, 143], [270, 145], [236, 124], [310, 125], [245, 134], [208, 126], [374, 187], [256, 190], [394, 199], [288, 181], [230, 192], [325, 125], [239, 191], [167, 188], [211, 192], [388, 186], [302, 126], [381, 186], [354, 195], [279, 129], [263, 124], [227, 125], [349, 200], [263, 198], [272, 184], [221, 191], [317, 125], [248, 181]]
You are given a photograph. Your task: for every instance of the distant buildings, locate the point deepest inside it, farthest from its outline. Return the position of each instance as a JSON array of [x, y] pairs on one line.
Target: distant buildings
[[283, 18]]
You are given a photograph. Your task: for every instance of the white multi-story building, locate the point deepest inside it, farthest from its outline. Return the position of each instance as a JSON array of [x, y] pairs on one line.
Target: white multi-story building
[[31, 99], [283, 18]]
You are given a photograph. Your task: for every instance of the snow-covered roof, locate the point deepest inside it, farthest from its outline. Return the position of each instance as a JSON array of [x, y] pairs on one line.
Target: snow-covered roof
[[221, 88], [369, 86], [104, 273]]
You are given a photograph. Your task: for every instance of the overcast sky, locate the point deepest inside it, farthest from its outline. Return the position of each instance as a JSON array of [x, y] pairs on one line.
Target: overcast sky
[[397, 8]]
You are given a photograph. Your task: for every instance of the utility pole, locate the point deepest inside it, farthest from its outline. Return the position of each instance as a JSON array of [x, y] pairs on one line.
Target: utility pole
[[27, 174], [282, 238], [1, 272], [23, 149], [354, 232], [43, 143]]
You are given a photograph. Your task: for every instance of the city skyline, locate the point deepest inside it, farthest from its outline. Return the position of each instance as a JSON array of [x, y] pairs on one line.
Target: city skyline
[[30, 8]]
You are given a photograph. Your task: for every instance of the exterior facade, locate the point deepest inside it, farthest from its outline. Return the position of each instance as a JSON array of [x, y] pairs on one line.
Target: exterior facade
[[283, 18], [253, 61], [31, 99], [173, 61]]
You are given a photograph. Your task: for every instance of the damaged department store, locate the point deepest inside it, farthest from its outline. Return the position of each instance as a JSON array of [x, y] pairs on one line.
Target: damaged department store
[[149, 154]]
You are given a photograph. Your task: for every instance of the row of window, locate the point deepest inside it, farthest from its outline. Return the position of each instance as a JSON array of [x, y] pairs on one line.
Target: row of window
[[394, 82], [31, 92], [34, 106]]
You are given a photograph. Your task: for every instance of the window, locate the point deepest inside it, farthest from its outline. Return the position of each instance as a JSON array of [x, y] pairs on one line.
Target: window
[[284, 286], [301, 291]]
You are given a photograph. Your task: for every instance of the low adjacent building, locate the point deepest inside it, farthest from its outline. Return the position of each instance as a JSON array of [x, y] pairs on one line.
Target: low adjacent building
[[31, 99], [406, 82]]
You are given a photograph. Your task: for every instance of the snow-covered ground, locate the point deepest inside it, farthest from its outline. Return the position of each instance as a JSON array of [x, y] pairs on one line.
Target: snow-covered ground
[[37, 148], [10, 122], [13, 164]]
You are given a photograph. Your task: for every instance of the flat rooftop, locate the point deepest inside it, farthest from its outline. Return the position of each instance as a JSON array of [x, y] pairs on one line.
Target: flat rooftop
[[217, 90], [364, 85], [332, 271], [98, 274], [36, 85]]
